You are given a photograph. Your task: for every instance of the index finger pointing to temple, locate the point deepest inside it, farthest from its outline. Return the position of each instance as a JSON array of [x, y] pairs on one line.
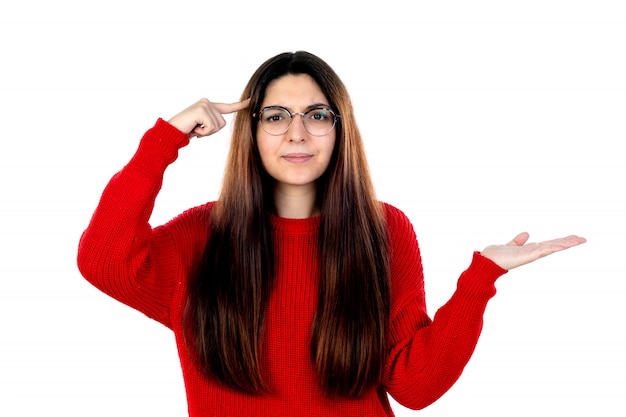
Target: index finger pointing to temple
[[226, 108]]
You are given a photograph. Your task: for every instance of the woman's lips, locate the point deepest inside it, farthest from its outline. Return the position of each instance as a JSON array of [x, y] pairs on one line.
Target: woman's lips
[[297, 158]]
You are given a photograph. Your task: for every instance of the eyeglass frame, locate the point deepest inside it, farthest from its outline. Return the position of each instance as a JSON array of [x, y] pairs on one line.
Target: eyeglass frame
[[336, 118]]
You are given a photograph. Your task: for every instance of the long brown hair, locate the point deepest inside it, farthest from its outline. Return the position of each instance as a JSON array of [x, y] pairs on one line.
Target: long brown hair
[[228, 295]]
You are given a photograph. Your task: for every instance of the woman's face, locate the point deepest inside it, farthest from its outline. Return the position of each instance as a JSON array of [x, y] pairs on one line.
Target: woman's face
[[295, 159]]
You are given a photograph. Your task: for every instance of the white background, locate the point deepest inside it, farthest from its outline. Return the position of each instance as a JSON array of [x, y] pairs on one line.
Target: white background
[[481, 119]]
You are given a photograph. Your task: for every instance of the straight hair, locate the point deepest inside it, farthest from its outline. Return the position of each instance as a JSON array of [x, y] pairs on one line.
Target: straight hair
[[228, 293]]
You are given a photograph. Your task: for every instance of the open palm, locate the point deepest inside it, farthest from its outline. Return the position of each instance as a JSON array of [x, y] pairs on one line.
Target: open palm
[[517, 252]]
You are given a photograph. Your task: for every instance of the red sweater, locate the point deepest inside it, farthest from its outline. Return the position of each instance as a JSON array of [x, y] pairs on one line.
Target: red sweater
[[147, 268]]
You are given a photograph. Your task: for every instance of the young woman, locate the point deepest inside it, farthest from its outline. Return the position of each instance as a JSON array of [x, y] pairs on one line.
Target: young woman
[[297, 292]]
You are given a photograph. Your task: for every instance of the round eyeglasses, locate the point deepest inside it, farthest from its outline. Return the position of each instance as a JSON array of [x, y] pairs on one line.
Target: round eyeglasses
[[276, 120]]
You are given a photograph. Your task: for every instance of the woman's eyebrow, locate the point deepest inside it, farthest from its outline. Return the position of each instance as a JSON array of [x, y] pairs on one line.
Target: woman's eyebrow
[[307, 108], [317, 105]]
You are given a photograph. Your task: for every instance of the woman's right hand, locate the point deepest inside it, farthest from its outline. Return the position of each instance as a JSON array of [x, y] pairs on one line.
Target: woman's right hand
[[204, 117]]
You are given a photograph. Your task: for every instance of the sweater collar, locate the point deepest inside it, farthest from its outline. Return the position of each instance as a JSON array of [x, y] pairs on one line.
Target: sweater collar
[[308, 225]]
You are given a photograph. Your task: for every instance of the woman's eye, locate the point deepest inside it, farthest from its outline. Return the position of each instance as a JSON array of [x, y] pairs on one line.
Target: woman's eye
[[274, 117], [318, 115]]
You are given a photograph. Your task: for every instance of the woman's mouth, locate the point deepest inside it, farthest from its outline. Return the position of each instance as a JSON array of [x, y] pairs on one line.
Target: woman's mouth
[[297, 158]]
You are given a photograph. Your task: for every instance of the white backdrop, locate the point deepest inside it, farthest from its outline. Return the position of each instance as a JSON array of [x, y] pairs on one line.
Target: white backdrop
[[481, 119]]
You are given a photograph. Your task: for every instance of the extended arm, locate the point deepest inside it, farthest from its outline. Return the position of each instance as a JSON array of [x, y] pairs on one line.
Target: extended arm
[[428, 356]]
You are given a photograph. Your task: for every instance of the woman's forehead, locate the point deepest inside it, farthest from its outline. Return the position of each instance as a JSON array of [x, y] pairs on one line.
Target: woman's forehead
[[294, 91]]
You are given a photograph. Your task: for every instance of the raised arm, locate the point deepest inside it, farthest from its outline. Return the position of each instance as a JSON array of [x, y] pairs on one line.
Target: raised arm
[[119, 252]]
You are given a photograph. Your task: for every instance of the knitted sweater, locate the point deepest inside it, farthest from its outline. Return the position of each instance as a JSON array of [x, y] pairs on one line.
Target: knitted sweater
[[147, 268]]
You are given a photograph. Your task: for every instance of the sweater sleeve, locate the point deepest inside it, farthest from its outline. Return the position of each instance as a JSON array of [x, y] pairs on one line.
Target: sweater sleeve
[[119, 252], [426, 357]]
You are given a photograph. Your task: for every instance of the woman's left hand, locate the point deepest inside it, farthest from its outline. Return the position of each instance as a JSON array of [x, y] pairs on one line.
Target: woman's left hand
[[517, 252]]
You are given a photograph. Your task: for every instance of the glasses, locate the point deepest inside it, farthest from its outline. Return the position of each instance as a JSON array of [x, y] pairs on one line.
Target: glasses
[[277, 120]]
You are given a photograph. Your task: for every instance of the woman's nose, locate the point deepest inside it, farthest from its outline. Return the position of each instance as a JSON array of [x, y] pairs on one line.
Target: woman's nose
[[297, 132]]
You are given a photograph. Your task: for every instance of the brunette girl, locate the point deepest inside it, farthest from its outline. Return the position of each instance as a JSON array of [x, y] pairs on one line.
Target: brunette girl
[[297, 292]]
